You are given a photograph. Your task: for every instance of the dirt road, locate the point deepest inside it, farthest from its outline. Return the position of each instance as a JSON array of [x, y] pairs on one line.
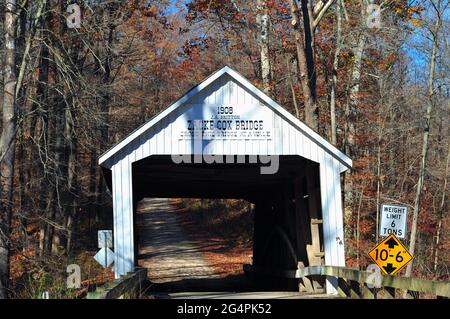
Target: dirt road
[[165, 249], [175, 262]]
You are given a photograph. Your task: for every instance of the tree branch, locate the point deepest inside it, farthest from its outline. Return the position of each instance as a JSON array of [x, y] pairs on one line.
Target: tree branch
[[321, 8]]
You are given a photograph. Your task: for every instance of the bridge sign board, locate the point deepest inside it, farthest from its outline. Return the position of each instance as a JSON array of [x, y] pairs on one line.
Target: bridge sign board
[[211, 122], [105, 239], [104, 257], [390, 255], [393, 220]]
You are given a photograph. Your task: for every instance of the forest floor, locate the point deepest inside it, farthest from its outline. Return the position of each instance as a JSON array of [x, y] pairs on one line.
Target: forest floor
[[183, 252]]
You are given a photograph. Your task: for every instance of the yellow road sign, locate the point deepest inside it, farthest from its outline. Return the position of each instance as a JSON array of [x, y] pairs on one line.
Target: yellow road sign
[[390, 255]]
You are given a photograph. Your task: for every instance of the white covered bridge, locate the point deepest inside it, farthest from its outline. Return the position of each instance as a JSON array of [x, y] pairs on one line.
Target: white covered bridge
[[226, 139]]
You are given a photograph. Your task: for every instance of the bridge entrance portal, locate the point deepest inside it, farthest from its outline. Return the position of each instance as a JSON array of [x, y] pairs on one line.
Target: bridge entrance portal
[[226, 139]]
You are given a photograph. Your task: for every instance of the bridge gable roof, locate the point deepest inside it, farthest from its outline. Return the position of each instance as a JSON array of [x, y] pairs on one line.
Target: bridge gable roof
[[107, 158]]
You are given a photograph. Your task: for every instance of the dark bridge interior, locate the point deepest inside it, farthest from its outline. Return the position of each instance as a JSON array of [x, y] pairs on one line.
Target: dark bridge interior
[[287, 224], [159, 176]]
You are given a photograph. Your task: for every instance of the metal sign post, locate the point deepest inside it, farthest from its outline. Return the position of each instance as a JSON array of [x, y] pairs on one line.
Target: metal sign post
[[105, 256], [105, 239]]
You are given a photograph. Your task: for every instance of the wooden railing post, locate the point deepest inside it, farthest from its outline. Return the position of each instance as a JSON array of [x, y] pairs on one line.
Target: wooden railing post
[[353, 283], [126, 287], [305, 283]]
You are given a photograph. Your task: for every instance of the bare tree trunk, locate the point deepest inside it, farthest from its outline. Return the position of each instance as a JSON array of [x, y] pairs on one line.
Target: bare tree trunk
[[58, 138], [46, 234], [263, 21], [70, 211], [41, 133], [28, 27], [334, 75], [23, 199], [381, 128], [358, 219], [308, 31], [291, 86], [442, 209], [426, 134], [42, 183], [105, 107], [23, 47], [355, 80], [64, 159], [351, 108], [311, 111], [7, 145], [92, 185]]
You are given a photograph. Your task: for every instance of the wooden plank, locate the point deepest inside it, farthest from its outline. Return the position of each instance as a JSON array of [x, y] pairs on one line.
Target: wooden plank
[[128, 286], [301, 219], [305, 283], [367, 293], [127, 215], [329, 229], [118, 220], [291, 133], [388, 282], [314, 253], [386, 293], [343, 288], [413, 284], [354, 288], [338, 211]]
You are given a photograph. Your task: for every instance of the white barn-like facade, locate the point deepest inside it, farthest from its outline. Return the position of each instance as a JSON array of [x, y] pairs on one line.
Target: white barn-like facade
[[273, 132]]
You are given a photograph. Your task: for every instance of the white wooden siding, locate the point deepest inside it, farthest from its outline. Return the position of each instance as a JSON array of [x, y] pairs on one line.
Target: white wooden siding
[[287, 139]]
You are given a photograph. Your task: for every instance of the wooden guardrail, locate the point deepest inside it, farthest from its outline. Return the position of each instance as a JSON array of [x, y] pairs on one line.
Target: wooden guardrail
[[355, 283], [125, 287]]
